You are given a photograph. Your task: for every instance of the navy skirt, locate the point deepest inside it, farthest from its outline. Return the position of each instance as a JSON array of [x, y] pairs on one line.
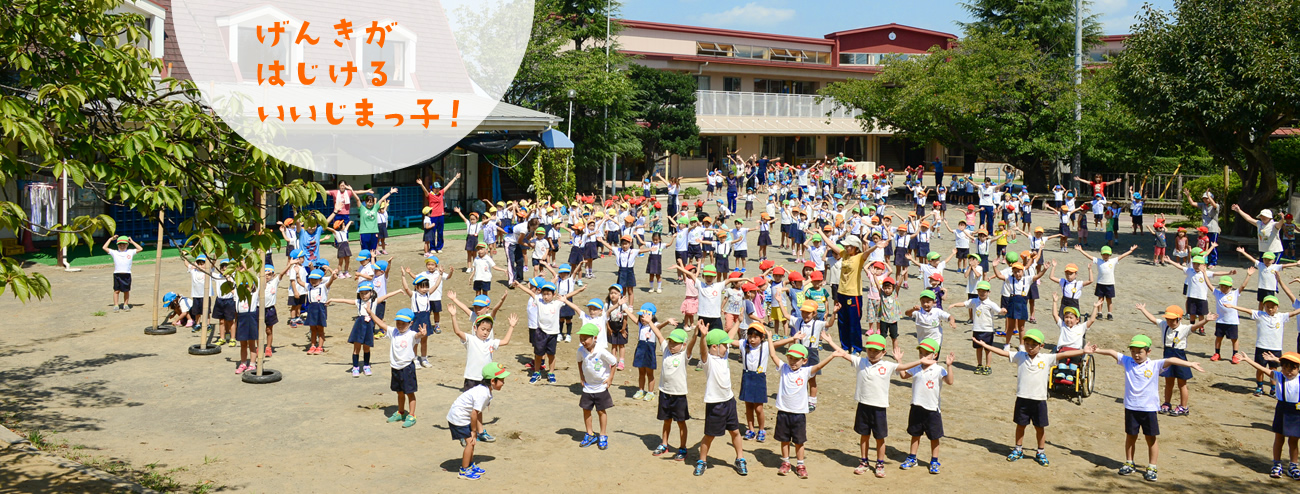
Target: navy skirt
[[1175, 371], [753, 387], [592, 251], [316, 314], [645, 356], [566, 311], [616, 334], [1017, 307], [654, 264], [246, 328], [270, 316], [922, 248], [575, 256], [1033, 291], [627, 278], [900, 257], [1286, 418], [421, 318], [764, 238], [471, 243], [362, 332]]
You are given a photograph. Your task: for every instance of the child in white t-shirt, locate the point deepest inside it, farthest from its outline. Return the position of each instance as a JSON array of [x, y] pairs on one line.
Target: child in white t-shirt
[[672, 387], [1174, 335], [595, 373], [924, 416], [872, 394], [465, 417], [401, 357], [792, 400], [122, 259]]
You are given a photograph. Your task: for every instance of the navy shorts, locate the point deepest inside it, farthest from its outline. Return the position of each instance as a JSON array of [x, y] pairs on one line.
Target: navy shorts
[[889, 329], [1259, 293], [270, 317], [720, 418], [923, 421], [1106, 291], [596, 401], [544, 344], [196, 309], [470, 384], [403, 380], [459, 432], [246, 328], [984, 336], [871, 421], [121, 282], [1146, 423], [1228, 331], [791, 427], [1259, 357], [673, 407], [224, 309], [1029, 411], [482, 286], [1197, 306]]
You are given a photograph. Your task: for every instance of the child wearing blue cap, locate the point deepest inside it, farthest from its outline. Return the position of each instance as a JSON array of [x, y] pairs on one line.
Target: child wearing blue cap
[[362, 336], [247, 328], [297, 273], [318, 295], [549, 305], [223, 309], [567, 286], [401, 357], [179, 308], [643, 358], [270, 287]]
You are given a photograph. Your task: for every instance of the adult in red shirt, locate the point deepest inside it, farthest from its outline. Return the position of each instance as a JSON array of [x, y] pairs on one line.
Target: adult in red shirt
[[1098, 186], [434, 198]]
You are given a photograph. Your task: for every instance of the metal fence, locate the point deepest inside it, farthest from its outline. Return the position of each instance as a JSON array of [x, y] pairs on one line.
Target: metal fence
[[742, 104]]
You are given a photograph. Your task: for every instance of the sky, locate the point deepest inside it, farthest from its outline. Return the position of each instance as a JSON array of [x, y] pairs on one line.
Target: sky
[[815, 19]]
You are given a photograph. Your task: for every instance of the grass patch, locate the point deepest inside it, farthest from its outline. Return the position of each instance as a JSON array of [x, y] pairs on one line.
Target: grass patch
[[150, 476], [98, 313]]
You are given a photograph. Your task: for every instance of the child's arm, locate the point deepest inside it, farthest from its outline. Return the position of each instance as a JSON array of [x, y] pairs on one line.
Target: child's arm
[[1208, 319], [513, 320], [1079, 248], [385, 296], [1143, 308], [1126, 254], [454, 300], [1000, 351], [1182, 363], [1268, 357], [501, 302], [107, 242], [378, 322], [951, 377], [1106, 351], [1283, 285], [818, 367], [1089, 348], [1096, 309], [1242, 251], [455, 323]]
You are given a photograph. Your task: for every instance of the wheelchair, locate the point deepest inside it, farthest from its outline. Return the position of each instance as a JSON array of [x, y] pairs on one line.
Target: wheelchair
[[1078, 388]]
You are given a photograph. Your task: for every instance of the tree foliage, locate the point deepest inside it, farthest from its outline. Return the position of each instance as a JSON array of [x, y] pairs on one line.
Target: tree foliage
[[84, 100], [1113, 139], [1221, 74], [665, 112], [1048, 24], [995, 96]]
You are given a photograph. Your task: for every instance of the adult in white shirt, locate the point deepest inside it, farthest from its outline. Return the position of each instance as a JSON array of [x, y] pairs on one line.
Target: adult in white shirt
[[1268, 233]]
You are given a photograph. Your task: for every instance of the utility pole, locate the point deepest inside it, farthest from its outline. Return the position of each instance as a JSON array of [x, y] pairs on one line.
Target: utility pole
[[1078, 95], [607, 22]]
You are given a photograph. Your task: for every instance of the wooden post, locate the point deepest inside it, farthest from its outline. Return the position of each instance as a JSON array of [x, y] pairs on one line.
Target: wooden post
[[258, 298], [207, 300], [157, 272], [1225, 180]]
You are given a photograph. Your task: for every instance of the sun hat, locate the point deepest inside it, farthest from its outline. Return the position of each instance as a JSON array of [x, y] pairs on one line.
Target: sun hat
[[929, 345], [169, 297], [716, 337], [928, 294], [1293, 357], [758, 326], [493, 370], [808, 306], [484, 317], [649, 308], [316, 274], [365, 286], [565, 268], [405, 315], [588, 329], [1140, 341], [983, 285], [1071, 268], [1173, 312], [482, 301], [875, 341], [1271, 298], [597, 303], [678, 335], [1226, 280], [797, 351], [1071, 310], [1034, 334], [1106, 249], [123, 239]]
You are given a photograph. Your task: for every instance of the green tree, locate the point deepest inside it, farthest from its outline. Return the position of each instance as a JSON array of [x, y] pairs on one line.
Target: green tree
[[1115, 141], [665, 109], [1049, 24], [1220, 74], [995, 96], [83, 101]]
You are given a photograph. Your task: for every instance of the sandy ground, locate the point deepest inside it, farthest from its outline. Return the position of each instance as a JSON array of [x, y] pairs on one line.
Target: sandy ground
[[99, 381]]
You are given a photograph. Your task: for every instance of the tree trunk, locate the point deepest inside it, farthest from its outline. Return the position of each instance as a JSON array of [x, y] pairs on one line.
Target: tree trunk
[[1034, 175]]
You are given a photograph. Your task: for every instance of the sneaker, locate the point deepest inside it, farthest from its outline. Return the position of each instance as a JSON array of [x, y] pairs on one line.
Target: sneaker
[[252, 367], [424, 362], [649, 396], [862, 468], [117, 308], [812, 407], [356, 372], [241, 368], [1164, 409], [410, 421], [587, 440], [700, 466], [437, 329], [1151, 474], [741, 467], [880, 469], [1110, 317], [762, 436], [640, 394], [908, 463], [550, 378], [395, 417], [748, 435], [568, 338], [485, 437], [1294, 471], [268, 351], [1127, 468], [1215, 357], [219, 342], [1276, 472], [620, 365], [1041, 458], [801, 471], [1236, 358], [785, 468], [1181, 411], [934, 466], [1259, 390], [603, 443], [232, 343], [467, 474], [660, 450], [680, 455], [533, 379], [1016, 454], [127, 308], [366, 370]]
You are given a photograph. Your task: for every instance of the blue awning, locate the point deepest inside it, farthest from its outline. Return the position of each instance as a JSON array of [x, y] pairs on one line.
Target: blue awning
[[554, 139]]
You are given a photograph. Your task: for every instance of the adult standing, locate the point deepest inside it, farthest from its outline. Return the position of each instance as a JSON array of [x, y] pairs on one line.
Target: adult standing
[[672, 186], [1098, 185], [1268, 233], [369, 215], [1210, 220], [849, 293], [434, 197], [342, 202], [988, 198], [938, 171]]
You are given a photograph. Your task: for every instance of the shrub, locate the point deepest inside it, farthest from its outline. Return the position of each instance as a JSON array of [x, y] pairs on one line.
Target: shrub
[[690, 193], [634, 190]]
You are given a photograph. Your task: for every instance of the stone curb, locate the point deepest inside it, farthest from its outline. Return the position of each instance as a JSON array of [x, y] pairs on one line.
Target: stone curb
[[15, 441]]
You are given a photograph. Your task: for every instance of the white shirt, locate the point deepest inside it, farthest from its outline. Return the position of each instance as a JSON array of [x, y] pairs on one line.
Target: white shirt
[[711, 299], [1221, 301], [672, 371], [596, 368], [401, 350], [873, 381], [476, 398], [792, 394], [122, 260], [483, 268], [717, 380], [1141, 384], [548, 315], [1196, 288], [1071, 289], [754, 358], [1288, 390], [1268, 236], [197, 279], [478, 353], [1032, 374], [1106, 271], [435, 292], [812, 331], [1071, 336], [1268, 276], [269, 291], [926, 384], [930, 324], [1175, 338], [1268, 329], [985, 311]]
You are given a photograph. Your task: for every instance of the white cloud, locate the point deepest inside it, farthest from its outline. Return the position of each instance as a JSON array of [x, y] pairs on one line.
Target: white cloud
[[748, 15]]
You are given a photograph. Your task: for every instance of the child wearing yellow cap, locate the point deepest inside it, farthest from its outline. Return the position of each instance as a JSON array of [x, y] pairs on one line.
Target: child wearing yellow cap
[[123, 255], [1174, 334], [1286, 415], [1142, 399]]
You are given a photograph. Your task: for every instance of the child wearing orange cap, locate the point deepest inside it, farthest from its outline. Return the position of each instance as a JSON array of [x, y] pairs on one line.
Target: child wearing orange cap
[[1175, 335], [1286, 414], [764, 234]]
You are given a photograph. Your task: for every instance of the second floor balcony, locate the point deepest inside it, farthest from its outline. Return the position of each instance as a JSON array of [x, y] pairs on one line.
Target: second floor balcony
[[747, 104]]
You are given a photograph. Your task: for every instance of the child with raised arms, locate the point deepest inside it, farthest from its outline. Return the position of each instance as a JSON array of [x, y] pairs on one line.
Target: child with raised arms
[[792, 399], [1174, 334], [672, 387], [362, 336], [925, 416], [401, 355], [1286, 415], [1073, 331], [1270, 324], [983, 310], [479, 346], [1227, 326], [643, 357], [595, 373], [719, 402]]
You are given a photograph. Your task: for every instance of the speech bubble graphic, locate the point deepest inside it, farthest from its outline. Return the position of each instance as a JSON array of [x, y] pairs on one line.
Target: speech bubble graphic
[[351, 88]]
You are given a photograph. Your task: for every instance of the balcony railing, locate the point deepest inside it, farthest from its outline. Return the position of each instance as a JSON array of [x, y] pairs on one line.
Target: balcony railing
[[742, 104]]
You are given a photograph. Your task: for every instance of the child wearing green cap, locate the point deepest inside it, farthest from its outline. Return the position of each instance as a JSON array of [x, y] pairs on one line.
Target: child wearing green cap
[[925, 416], [983, 309], [929, 319], [1226, 295], [1270, 324], [1072, 335], [872, 394], [596, 373], [465, 416], [1033, 373], [720, 415], [1106, 274], [1270, 272], [122, 256], [792, 400], [1142, 399], [1196, 287], [672, 386]]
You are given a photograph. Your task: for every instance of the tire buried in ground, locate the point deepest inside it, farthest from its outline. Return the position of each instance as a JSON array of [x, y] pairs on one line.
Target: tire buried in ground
[[268, 376], [210, 350], [162, 329]]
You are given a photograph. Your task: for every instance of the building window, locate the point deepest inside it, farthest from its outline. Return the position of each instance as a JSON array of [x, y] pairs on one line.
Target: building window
[[784, 87], [713, 49], [854, 147], [393, 54], [751, 52], [253, 52], [784, 55], [703, 82], [731, 84]]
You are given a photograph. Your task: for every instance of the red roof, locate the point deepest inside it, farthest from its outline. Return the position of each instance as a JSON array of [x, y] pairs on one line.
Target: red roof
[[744, 61], [1114, 37], [1286, 132], [891, 25], [722, 32]]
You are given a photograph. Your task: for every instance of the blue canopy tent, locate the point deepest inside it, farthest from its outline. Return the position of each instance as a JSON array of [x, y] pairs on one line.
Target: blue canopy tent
[[554, 139]]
